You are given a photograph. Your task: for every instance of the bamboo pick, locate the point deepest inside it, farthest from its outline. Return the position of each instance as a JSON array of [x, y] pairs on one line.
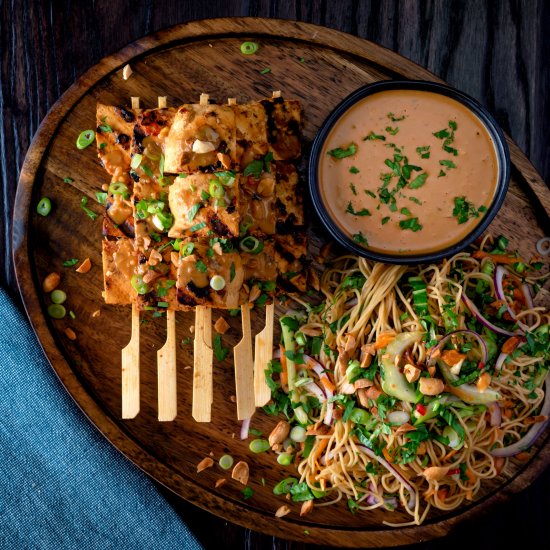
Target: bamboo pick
[[202, 372], [166, 358], [130, 355], [244, 369], [130, 370], [166, 372], [202, 353], [263, 353]]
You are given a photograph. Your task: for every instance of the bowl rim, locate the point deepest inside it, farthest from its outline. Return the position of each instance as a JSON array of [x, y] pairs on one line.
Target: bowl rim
[[488, 121]]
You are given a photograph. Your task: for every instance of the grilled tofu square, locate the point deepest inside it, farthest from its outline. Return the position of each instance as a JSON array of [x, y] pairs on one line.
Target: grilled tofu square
[[290, 255], [119, 262], [205, 204], [202, 264], [284, 127], [114, 131], [251, 124], [272, 203], [201, 138]]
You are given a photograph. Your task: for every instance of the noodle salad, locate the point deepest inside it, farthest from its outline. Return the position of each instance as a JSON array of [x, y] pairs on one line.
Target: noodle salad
[[407, 387]]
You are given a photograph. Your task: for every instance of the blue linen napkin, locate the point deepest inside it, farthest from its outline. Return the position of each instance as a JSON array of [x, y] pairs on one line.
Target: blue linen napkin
[[62, 485]]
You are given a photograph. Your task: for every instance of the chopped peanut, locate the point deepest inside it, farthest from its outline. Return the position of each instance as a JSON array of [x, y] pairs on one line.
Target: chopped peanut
[[225, 160], [85, 266], [363, 383], [155, 257], [127, 72], [279, 433], [431, 386], [205, 463], [241, 472], [373, 393], [217, 248], [435, 473], [255, 293], [96, 313], [282, 511], [483, 382], [452, 357], [311, 331], [412, 373], [70, 333], [347, 389], [307, 506], [221, 326], [313, 279], [51, 282], [363, 399], [350, 342], [220, 482]]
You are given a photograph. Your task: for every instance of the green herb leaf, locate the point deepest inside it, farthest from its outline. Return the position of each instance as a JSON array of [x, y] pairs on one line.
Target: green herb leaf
[[101, 197], [419, 181], [385, 220], [71, 262], [219, 351], [193, 211], [265, 71], [372, 136], [447, 163], [391, 130], [360, 239], [411, 223], [354, 170], [340, 152], [424, 151], [90, 213], [362, 212], [201, 266]]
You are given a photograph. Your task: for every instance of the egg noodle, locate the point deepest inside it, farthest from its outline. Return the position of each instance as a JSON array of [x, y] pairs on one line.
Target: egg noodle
[[413, 385]]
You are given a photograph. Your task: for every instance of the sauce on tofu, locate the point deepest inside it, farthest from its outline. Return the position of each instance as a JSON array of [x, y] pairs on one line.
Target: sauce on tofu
[[408, 172]]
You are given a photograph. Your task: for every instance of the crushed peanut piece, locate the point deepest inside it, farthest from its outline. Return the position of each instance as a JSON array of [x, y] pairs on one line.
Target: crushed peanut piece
[[205, 463], [435, 473], [241, 472], [282, 511], [279, 433], [430, 386], [221, 326], [307, 506], [220, 482], [127, 72], [412, 373], [70, 333], [51, 282], [96, 313], [85, 266]]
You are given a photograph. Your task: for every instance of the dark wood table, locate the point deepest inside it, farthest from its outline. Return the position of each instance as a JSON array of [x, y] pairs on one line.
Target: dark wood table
[[497, 51]]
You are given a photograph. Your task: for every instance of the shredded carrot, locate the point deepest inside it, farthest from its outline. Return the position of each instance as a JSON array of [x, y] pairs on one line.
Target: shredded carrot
[[429, 493], [321, 446], [384, 339], [442, 494], [496, 258], [523, 456], [284, 373], [450, 455], [470, 475], [452, 357], [469, 495], [325, 380], [499, 464], [387, 455], [511, 344]]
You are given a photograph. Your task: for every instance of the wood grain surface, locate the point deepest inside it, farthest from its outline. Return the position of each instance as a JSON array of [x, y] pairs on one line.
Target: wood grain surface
[[31, 81]]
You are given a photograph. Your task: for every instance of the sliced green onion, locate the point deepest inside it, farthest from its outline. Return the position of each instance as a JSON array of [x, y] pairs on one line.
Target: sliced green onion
[[164, 181], [452, 436], [57, 311], [44, 207], [249, 48], [217, 282], [227, 178], [284, 486], [251, 245], [298, 434], [84, 139], [163, 221], [118, 188], [259, 445], [58, 296], [220, 203], [301, 339], [138, 284], [284, 459], [205, 195], [187, 249], [136, 161], [225, 462], [216, 189], [193, 211]]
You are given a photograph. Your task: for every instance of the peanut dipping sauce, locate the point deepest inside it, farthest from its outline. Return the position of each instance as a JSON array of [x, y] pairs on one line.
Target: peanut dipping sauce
[[443, 192]]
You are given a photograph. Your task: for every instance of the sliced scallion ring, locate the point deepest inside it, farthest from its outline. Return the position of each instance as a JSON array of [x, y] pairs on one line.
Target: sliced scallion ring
[[216, 189], [84, 139], [118, 188], [136, 161], [249, 48], [225, 462], [251, 245], [138, 284], [259, 445], [227, 178], [58, 296], [57, 311], [284, 459], [217, 282], [44, 207], [163, 221], [187, 249]]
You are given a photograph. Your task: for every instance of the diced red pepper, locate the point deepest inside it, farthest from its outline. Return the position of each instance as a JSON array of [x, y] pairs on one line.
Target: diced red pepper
[[481, 365], [453, 471], [420, 409]]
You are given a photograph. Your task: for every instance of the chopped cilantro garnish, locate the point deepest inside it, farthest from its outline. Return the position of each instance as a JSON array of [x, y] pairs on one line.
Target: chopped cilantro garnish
[[411, 223], [340, 152]]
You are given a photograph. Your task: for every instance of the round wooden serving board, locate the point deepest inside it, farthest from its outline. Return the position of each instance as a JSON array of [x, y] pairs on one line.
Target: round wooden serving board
[[316, 65]]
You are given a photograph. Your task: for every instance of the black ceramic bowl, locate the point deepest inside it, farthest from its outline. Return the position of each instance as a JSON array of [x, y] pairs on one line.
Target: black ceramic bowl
[[494, 131]]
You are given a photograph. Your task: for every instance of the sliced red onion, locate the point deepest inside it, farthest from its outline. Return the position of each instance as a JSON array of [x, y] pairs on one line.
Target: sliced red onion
[[277, 353], [394, 471], [502, 357], [528, 300], [245, 427], [531, 436], [496, 414], [319, 369], [543, 246], [475, 312], [500, 272], [443, 341], [313, 388]]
